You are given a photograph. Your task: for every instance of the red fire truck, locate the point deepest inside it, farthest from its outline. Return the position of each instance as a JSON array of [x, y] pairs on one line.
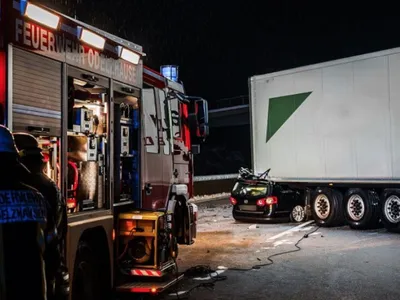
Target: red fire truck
[[118, 138]]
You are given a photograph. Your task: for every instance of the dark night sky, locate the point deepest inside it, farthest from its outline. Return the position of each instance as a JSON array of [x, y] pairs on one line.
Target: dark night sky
[[218, 44]]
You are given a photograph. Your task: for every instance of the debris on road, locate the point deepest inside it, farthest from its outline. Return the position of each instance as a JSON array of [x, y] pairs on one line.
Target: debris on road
[[223, 241], [254, 226]]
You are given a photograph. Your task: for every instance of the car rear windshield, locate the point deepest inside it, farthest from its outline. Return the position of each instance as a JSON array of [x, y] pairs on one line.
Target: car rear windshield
[[250, 190]]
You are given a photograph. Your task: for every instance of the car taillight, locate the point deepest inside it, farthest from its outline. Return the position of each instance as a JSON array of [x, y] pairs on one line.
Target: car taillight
[[261, 202], [271, 200], [233, 200]]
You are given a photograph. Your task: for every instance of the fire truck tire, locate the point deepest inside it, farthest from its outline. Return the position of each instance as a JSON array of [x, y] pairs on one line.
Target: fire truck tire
[[327, 207], [89, 282]]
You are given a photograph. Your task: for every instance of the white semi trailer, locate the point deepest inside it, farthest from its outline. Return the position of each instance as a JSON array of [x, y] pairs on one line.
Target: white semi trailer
[[331, 132]]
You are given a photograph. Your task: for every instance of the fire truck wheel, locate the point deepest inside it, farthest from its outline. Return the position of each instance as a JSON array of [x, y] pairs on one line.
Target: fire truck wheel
[[88, 282]]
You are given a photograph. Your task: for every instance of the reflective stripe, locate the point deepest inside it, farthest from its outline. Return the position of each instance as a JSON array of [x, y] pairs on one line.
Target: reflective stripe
[[19, 206]]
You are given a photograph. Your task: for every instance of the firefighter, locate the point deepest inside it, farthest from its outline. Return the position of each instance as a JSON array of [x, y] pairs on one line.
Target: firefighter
[[32, 158], [23, 213]]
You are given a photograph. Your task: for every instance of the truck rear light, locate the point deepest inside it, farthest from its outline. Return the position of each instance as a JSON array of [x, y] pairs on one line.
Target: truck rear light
[[233, 200], [271, 200], [261, 202]]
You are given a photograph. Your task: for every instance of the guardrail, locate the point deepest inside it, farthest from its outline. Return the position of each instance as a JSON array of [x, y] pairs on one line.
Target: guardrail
[[214, 184], [214, 177]]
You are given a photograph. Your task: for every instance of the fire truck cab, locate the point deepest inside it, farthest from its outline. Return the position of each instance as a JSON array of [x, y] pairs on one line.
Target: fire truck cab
[[117, 137]]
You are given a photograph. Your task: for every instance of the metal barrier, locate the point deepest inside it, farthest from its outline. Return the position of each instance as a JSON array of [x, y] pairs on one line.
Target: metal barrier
[[214, 177], [213, 184]]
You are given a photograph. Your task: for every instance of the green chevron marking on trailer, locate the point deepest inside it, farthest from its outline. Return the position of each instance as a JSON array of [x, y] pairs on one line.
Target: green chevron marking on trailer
[[280, 109]]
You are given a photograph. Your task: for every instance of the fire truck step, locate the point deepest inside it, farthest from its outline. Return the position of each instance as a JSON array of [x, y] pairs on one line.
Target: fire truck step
[[149, 287], [154, 273]]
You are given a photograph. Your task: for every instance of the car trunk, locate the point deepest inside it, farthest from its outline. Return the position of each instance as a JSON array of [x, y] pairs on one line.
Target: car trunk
[[247, 194]]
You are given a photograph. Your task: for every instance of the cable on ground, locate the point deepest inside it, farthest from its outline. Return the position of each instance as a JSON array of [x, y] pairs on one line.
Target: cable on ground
[[269, 258], [202, 270]]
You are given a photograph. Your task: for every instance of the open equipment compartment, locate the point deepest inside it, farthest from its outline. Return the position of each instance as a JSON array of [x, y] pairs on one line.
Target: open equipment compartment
[[126, 144], [87, 145]]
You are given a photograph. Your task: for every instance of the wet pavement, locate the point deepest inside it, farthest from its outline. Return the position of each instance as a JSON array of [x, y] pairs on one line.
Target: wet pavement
[[336, 263]]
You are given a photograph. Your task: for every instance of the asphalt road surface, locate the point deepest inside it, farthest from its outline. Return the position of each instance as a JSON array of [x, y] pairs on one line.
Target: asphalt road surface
[[334, 263]]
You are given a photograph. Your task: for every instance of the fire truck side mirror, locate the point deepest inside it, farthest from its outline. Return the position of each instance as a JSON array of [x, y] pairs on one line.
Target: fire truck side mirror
[[201, 112]]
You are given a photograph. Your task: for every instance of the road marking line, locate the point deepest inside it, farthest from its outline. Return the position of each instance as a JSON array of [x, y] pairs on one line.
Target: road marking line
[[315, 233], [290, 230], [178, 293], [282, 242]]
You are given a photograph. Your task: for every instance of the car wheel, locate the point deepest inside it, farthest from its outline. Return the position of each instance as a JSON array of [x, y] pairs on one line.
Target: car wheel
[[298, 214]]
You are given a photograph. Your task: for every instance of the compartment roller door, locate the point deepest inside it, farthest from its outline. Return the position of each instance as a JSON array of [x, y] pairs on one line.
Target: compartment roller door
[[37, 93]]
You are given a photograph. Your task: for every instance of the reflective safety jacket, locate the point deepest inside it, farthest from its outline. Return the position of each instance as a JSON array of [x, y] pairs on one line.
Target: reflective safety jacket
[[56, 225], [23, 212]]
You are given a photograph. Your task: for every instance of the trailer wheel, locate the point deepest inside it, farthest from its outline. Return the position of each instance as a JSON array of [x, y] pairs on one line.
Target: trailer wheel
[[88, 282], [327, 208], [391, 210], [361, 209]]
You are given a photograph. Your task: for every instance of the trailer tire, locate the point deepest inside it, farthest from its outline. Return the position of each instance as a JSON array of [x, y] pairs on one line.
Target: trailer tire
[[327, 208], [390, 207], [89, 281], [361, 209]]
